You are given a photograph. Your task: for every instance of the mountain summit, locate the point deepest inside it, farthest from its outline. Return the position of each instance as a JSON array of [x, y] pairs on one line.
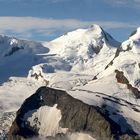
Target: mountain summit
[[82, 43], [133, 43]]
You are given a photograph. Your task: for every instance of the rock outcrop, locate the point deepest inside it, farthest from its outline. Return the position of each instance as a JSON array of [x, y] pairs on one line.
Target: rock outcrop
[[76, 117], [122, 79]]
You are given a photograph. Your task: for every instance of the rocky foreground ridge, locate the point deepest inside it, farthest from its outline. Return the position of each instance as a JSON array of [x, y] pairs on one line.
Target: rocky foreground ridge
[[75, 116]]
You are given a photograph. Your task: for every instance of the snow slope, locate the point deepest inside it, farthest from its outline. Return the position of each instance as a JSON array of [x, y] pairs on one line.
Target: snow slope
[[133, 42], [83, 49], [12, 95]]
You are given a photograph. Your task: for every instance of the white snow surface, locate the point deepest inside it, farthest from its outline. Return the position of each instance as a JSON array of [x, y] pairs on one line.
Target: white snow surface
[[48, 120], [15, 91], [133, 42], [81, 42]]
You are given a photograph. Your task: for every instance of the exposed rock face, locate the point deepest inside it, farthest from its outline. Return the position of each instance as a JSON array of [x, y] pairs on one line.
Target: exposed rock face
[[122, 79], [76, 117], [13, 50]]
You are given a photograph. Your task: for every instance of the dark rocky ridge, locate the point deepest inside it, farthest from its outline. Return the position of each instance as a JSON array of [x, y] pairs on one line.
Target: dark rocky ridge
[[76, 116], [122, 79], [12, 50]]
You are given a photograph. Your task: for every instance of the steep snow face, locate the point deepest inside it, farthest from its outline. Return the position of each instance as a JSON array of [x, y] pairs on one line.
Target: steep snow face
[[133, 43], [128, 59], [82, 43], [136, 35], [46, 119]]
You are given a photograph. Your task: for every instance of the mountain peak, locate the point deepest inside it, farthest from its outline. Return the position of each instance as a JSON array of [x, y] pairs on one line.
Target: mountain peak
[[133, 43], [81, 39], [136, 34], [95, 28]]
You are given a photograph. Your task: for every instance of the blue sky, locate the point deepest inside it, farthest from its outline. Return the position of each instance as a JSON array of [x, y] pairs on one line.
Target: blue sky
[[47, 19]]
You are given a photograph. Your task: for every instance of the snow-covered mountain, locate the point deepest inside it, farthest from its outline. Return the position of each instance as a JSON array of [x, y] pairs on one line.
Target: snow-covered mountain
[[77, 52], [88, 64], [84, 48], [18, 56]]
